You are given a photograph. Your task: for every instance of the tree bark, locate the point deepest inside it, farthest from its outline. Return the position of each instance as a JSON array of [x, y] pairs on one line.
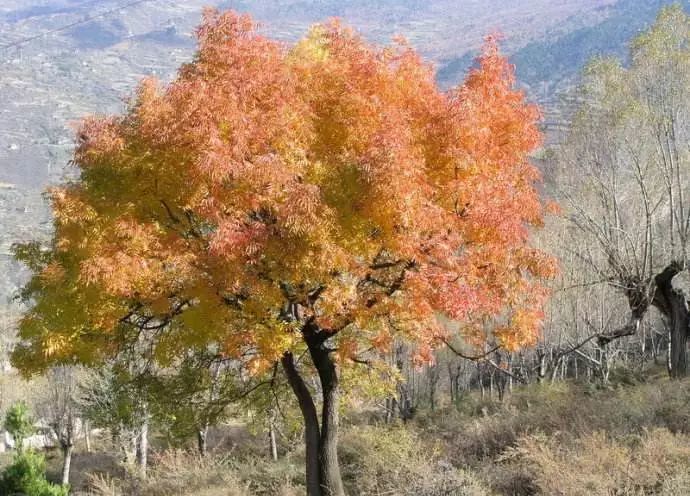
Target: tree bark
[[672, 304], [66, 463], [87, 435], [143, 446], [678, 363], [331, 480], [311, 424], [272, 440], [202, 440]]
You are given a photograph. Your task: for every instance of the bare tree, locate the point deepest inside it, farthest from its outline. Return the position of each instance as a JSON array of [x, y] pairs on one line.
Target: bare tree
[[61, 411], [624, 170]]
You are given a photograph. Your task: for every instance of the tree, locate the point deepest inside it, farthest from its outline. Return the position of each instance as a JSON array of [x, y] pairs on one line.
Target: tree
[[112, 398], [61, 411], [300, 206], [19, 424], [27, 475], [195, 395], [624, 174]]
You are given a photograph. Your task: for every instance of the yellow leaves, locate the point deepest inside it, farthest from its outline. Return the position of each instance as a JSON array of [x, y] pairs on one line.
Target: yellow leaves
[[70, 207], [55, 344], [313, 48], [274, 338], [53, 273], [374, 381], [523, 329], [335, 165]]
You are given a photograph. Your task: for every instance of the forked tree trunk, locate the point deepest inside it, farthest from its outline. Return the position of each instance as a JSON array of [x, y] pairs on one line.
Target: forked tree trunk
[[672, 304], [311, 424], [322, 466], [329, 467]]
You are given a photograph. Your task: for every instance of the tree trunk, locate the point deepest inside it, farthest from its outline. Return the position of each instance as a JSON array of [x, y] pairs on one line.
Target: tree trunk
[[272, 439], [331, 481], [672, 304], [311, 423], [541, 371], [66, 462], [87, 435], [678, 335], [202, 440], [143, 447]]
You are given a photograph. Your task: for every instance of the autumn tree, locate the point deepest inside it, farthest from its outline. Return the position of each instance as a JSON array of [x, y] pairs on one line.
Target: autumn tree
[[624, 178], [302, 206]]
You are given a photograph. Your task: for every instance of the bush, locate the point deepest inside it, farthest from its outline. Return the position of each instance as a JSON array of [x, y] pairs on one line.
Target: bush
[[26, 477], [18, 423], [176, 472], [379, 460], [657, 462]]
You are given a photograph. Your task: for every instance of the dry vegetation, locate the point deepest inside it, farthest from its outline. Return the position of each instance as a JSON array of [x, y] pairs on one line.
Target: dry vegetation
[[568, 438]]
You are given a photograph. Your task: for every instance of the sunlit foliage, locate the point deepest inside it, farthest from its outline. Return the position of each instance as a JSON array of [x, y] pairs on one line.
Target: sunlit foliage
[[332, 176]]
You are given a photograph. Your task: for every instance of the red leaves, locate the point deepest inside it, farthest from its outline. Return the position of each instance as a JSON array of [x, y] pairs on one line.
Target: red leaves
[[234, 238]]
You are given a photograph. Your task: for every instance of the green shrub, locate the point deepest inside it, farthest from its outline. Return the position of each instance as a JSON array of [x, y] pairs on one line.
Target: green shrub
[[26, 476], [18, 423]]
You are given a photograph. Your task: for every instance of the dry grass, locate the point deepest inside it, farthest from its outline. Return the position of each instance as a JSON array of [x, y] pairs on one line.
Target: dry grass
[[549, 440], [380, 460], [597, 465]]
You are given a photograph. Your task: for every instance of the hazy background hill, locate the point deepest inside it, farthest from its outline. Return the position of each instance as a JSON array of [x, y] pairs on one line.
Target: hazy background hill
[[59, 75]]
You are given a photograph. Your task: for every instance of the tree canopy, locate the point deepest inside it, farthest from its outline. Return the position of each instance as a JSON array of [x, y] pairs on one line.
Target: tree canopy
[[331, 174]]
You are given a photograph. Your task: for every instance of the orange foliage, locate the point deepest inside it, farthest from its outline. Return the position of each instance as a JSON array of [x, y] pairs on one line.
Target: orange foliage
[[331, 175]]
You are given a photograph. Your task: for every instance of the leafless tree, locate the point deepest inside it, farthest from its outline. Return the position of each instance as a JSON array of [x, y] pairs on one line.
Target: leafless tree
[[61, 411], [624, 176]]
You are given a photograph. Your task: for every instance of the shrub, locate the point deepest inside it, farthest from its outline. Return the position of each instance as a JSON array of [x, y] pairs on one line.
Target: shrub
[[599, 465], [179, 473], [18, 423], [379, 460], [26, 477]]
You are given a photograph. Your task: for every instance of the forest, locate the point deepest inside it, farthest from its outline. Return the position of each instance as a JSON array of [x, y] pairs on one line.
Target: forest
[[307, 269]]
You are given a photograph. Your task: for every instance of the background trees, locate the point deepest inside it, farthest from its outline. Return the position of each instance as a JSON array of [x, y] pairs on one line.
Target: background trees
[[623, 174], [61, 411]]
